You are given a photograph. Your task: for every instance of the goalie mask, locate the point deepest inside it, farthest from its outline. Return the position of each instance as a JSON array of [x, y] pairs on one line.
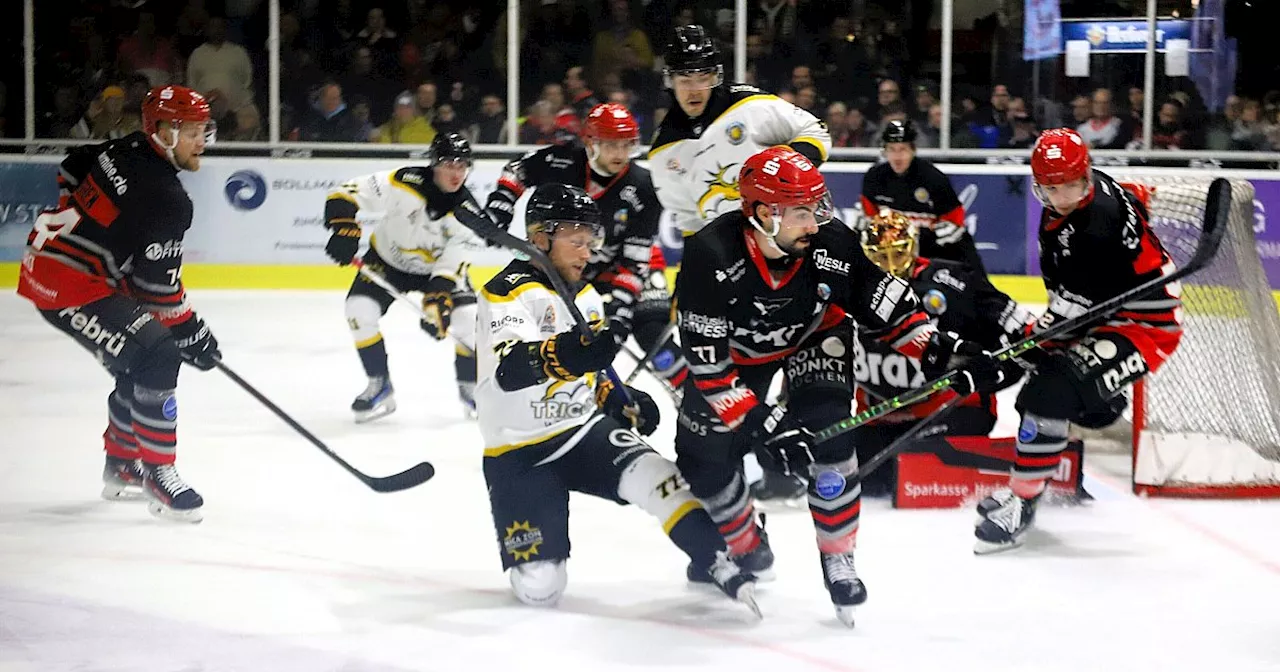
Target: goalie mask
[[890, 241]]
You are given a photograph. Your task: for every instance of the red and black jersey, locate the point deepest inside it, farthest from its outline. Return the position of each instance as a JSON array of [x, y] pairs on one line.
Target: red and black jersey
[[1104, 247], [119, 228], [958, 299], [925, 196], [735, 312], [629, 208]]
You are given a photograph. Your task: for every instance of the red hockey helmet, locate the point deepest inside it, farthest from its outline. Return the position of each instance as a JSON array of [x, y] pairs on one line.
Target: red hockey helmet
[[781, 177], [175, 104], [611, 121], [1060, 156]]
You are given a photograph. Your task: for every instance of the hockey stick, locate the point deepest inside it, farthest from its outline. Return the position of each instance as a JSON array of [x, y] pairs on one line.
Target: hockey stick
[[1216, 210], [652, 352], [416, 475], [396, 294], [671, 391], [900, 444]]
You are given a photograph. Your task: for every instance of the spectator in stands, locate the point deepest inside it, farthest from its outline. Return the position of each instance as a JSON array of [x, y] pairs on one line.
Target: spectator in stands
[[1133, 120], [1080, 111], [192, 27], [925, 100], [998, 114], [807, 100], [777, 21], [362, 111], [621, 47], [491, 127], [364, 79], [1169, 132], [65, 114], [770, 71], [801, 76], [329, 120], [427, 99], [887, 93], [146, 53], [1248, 133], [581, 97], [1102, 131], [566, 118], [383, 43], [107, 118], [930, 132], [1023, 131], [540, 127], [1221, 126], [220, 69], [406, 125], [894, 111], [447, 120], [248, 126]]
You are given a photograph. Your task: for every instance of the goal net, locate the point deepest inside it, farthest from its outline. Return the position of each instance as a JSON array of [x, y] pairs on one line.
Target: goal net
[[1208, 423]]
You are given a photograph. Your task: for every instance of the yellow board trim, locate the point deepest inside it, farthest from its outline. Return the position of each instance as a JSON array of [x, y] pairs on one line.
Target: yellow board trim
[[503, 450], [691, 505]]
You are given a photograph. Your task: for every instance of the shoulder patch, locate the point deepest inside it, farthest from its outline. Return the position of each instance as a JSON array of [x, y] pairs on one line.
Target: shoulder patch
[[414, 179]]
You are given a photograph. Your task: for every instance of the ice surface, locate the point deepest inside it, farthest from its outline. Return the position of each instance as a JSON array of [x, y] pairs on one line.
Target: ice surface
[[297, 566]]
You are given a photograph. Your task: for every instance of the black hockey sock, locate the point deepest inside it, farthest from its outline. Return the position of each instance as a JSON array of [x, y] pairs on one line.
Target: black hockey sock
[[696, 534], [1040, 445], [118, 440], [464, 365], [374, 359]]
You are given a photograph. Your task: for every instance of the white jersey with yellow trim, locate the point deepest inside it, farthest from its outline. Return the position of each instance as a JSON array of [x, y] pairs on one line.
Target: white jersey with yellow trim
[[415, 230], [695, 161], [516, 306]]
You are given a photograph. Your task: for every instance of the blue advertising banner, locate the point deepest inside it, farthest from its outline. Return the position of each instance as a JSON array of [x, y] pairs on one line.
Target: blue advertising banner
[[1041, 30], [1125, 34], [26, 189]]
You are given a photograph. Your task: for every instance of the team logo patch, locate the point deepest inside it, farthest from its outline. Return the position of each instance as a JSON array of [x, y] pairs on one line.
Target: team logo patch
[[833, 346], [829, 484], [1028, 431], [664, 360], [922, 195], [824, 291], [170, 408], [522, 540], [736, 133], [935, 302], [1105, 349], [620, 217]]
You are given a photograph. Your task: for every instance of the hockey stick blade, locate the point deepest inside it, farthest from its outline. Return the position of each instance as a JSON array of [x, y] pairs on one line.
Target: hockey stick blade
[[1216, 212], [414, 476]]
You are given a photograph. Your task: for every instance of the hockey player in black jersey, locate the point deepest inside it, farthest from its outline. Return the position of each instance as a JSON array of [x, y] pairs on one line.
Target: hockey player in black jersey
[[620, 271], [105, 267], [1095, 242], [913, 186], [424, 242], [552, 423], [959, 300], [771, 288]]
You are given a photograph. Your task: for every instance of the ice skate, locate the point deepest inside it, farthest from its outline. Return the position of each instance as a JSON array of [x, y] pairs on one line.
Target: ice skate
[[758, 562], [1005, 526], [842, 582], [779, 489], [122, 479], [377, 400], [171, 498], [992, 502], [736, 583]]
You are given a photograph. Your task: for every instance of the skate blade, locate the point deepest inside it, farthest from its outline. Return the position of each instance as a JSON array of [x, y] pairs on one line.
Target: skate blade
[[765, 576], [747, 595], [122, 493], [166, 513], [981, 547], [844, 614], [381, 410]]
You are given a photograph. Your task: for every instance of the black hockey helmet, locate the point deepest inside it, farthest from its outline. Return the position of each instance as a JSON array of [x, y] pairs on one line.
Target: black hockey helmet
[[898, 131], [554, 207], [450, 147], [691, 50]]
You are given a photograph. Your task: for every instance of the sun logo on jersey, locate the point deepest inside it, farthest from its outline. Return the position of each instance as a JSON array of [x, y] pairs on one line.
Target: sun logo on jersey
[[736, 133], [719, 190], [522, 540]]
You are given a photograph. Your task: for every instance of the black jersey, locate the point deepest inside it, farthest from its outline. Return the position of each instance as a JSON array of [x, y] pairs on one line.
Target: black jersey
[[734, 312], [1104, 247], [119, 228], [925, 196], [959, 299], [629, 208]]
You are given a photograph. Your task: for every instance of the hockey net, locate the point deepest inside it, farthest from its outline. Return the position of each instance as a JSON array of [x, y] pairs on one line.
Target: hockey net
[[1207, 424]]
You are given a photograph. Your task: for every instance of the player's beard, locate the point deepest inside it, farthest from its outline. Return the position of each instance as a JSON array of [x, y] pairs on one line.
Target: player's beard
[[798, 247]]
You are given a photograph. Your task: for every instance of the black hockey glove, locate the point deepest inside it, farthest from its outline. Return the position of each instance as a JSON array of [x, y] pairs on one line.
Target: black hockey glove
[[978, 372], [781, 442], [645, 412], [620, 309], [437, 306], [570, 356], [196, 343], [343, 243]]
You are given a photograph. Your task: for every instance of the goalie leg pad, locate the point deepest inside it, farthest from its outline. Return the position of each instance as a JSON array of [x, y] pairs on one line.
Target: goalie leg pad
[[540, 583]]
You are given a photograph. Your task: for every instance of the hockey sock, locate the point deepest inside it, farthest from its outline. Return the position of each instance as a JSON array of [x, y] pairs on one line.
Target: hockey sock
[[118, 440], [464, 364], [835, 503], [693, 532], [734, 514], [374, 357], [1039, 449], [155, 424]]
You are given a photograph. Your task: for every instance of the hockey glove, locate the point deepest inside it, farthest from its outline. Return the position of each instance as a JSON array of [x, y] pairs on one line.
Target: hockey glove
[[644, 413], [570, 356], [196, 343], [343, 243], [437, 307], [782, 444], [978, 372]]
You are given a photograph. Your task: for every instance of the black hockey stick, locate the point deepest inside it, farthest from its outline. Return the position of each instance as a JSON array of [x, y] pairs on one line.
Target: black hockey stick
[[1217, 209], [416, 475], [900, 444], [652, 352]]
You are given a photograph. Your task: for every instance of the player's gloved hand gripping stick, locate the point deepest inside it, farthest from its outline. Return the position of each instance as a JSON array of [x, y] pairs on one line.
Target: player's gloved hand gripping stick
[[1217, 208], [396, 294]]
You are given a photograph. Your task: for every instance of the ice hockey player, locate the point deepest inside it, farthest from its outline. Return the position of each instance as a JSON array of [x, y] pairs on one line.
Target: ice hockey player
[[623, 190], [772, 287], [420, 245], [916, 188], [552, 423], [105, 267], [1095, 243], [698, 150], [960, 300]]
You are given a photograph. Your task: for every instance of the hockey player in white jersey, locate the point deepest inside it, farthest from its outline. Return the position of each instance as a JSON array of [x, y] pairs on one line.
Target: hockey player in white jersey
[[552, 423], [713, 128], [419, 245]]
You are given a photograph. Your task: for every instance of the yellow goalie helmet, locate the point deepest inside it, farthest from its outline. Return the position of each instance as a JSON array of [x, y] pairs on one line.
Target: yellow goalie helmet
[[889, 241]]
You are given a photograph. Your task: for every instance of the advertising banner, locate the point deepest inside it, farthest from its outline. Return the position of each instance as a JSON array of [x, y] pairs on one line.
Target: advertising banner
[[1123, 35], [1041, 29], [26, 189]]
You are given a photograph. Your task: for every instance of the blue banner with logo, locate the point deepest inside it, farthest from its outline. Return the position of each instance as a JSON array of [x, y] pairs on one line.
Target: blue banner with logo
[[26, 189], [1041, 30], [1124, 34]]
